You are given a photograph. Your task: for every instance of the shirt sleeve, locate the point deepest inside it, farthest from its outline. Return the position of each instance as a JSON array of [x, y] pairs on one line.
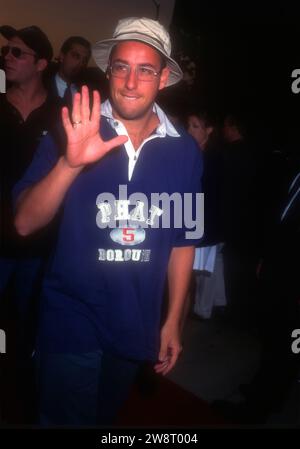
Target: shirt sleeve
[[191, 231], [42, 163]]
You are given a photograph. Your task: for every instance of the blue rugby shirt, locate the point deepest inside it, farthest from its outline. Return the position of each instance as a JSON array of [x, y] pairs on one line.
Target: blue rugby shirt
[[104, 288]]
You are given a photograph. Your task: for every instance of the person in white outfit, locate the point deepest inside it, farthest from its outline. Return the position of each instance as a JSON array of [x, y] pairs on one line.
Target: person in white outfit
[[208, 263]]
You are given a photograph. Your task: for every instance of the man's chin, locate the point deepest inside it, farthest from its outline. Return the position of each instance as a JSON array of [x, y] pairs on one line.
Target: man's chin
[[9, 74], [73, 77], [130, 114]]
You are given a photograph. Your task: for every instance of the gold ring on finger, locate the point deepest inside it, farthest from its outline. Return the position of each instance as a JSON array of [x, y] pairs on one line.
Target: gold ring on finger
[[76, 123]]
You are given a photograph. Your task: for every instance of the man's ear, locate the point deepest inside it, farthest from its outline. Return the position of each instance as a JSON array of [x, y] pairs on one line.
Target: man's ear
[[164, 77], [60, 57], [209, 130], [41, 65]]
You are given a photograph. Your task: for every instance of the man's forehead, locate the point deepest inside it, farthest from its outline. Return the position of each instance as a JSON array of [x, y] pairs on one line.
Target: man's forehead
[[81, 49]]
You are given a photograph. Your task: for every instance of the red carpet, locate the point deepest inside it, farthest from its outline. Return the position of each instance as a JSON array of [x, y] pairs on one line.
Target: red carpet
[[163, 403], [153, 402]]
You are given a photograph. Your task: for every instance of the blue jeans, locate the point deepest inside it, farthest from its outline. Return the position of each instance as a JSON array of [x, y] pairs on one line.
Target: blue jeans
[[82, 389]]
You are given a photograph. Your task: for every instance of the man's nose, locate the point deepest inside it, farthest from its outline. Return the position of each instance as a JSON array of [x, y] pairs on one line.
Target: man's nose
[[8, 56], [131, 80]]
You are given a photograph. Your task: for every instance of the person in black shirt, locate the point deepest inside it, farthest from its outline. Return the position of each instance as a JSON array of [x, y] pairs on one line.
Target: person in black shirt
[[240, 220], [278, 312], [27, 114]]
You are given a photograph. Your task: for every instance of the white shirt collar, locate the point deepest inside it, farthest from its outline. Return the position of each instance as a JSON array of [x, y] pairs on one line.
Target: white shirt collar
[[62, 85], [165, 126]]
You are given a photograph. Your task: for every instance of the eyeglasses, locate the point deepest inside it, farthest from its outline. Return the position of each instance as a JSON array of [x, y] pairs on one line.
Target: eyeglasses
[[15, 51], [143, 73]]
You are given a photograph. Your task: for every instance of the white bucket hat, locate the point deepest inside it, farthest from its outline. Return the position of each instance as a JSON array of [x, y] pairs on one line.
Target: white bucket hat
[[144, 30]]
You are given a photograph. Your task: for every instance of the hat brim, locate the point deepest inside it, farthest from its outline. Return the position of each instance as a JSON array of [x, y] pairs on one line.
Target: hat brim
[[102, 49]]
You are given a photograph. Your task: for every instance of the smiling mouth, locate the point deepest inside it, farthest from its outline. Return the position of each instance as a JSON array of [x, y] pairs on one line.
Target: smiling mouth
[[129, 97]]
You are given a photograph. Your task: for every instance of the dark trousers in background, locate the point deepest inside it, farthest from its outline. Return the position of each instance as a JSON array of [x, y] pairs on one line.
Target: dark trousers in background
[[23, 277], [278, 316], [82, 389], [20, 280], [240, 286]]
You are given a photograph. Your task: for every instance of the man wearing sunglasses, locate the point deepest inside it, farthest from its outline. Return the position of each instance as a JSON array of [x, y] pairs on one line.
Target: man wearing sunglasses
[[26, 116], [103, 294]]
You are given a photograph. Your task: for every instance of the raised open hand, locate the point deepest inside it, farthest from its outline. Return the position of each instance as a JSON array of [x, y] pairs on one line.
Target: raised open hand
[[84, 143]]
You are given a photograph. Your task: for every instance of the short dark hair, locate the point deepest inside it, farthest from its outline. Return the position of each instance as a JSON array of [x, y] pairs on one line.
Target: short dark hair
[[76, 40], [208, 117], [163, 61], [239, 120]]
